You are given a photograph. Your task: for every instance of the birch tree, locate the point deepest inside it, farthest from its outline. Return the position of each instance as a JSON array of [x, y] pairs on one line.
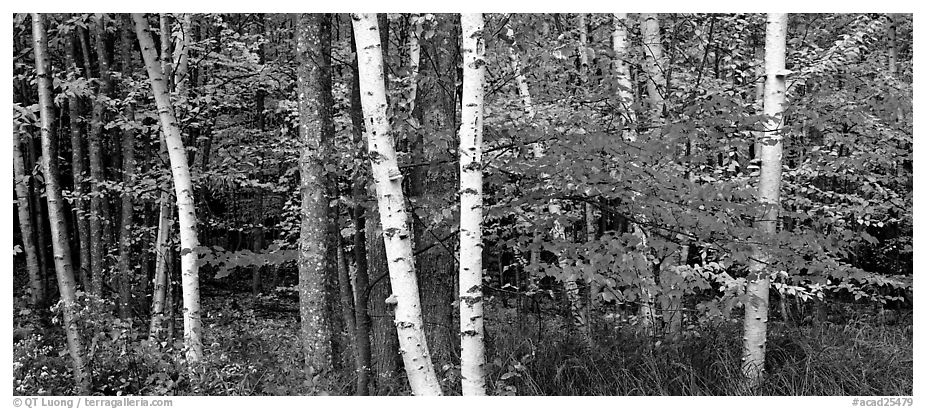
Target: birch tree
[[56, 212], [21, 184], [393, 216], [313, 243], [757, 287], [654, 64], [626, 99], [622, 71], [655, 67], [159, 300], [183, 190], [472, 355]]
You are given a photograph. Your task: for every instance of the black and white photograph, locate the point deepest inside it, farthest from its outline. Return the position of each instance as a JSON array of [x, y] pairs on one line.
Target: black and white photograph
[[281, 204]]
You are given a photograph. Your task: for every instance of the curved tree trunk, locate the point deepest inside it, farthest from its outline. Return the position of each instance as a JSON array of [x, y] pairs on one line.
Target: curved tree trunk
[[393, 216], [56, 211], [386, 359], [472, 346], [756, 318], [183, 187]]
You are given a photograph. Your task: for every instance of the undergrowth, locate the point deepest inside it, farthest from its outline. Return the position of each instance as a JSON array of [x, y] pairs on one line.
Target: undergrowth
[[251, 348]]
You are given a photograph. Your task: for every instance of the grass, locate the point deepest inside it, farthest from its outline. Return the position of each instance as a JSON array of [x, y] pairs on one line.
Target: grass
[[251, 350], [857, 357]]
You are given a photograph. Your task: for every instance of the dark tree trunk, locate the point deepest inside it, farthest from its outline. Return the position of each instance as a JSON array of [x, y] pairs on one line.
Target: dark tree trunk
[[362, 280], [339, 347], [128, 178], [75, 110], [22, 184], [98, 205], [313, 240]]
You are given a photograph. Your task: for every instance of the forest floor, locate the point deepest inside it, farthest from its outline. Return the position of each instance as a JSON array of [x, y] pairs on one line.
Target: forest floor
[[252, 349]]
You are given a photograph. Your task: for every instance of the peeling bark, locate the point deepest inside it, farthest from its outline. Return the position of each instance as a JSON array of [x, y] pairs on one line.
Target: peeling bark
[[183, 190], [757, 287], [472, 346], [56, 210], [393, 215]]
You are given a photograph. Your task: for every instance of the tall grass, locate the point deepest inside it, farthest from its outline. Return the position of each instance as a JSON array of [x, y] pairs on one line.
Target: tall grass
[[854, 358]]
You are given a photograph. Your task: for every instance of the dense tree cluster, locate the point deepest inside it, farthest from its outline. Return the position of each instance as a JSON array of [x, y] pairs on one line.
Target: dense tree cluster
[[408, 177]]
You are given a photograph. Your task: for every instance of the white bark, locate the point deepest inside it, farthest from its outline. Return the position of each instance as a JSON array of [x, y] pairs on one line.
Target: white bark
[[414, 59], [165, 212], [22, 184], [56, 212], [183, 188], [393, 216], [159, 291], [756, 318], [472, 348], [583, 46], [760, 94], [181, 54], [655, 65], [622, 71], [520, 79]]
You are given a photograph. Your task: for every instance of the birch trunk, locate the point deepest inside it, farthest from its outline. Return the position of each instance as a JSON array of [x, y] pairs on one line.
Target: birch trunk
[[161, 253], [654, 65], [56, 211], [520, 79], [22, 182], [393, 216], [159, 300], [757, 288], [183, 187], [622, 72], [472, 347], [583, 47], [386, 359], [892, 56]]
